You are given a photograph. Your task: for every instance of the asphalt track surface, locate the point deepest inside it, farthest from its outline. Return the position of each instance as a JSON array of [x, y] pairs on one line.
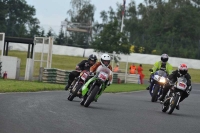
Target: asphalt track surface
[[51, 112]]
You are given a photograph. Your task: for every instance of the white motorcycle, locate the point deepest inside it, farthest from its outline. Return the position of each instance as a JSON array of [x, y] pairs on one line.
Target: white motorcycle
[[174, 95]]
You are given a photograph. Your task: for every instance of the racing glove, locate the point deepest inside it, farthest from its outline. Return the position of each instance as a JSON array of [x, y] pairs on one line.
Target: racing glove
[[108, 84], [91, 74], [188, 90]]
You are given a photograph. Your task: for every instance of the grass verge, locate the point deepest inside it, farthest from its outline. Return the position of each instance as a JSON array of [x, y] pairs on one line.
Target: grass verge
[[114, 88], [27, 86]]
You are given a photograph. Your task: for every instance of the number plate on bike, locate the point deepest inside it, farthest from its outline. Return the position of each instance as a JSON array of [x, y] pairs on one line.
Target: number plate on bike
[[103, 76], [182, 85], [84, 76]]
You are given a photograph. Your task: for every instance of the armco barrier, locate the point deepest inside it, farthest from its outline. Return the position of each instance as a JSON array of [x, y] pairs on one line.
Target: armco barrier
[[59, 76]]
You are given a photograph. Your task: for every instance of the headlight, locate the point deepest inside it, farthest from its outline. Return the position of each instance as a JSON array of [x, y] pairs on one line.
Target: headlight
[[162, 80]]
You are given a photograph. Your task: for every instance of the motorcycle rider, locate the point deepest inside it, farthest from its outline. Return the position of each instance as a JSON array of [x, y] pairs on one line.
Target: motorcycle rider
[[160, 65], [83, 65], [104, 62], [181, 71]]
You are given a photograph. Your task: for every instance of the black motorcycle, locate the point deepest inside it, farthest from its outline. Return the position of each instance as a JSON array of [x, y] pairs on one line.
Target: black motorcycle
[[77, 84]]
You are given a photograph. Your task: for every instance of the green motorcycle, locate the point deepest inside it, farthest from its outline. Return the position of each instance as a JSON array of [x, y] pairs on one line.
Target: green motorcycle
[[94, 87]]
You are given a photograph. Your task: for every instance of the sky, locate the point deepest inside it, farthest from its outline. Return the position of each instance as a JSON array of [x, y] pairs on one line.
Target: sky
[[50, 13]]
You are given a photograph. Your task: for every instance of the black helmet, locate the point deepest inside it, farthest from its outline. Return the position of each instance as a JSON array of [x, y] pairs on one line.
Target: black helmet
[[164, 57], [92, 57]]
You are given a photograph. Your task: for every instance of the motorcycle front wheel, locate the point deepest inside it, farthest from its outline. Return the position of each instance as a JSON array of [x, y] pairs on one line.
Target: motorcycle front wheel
[[91, 96], [154, 97], [173, 104], [73, 94], [165, 105]]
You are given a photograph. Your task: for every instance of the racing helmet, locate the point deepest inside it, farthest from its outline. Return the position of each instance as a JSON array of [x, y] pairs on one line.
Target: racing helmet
[[105, 60], [183, 69], [164, 58]]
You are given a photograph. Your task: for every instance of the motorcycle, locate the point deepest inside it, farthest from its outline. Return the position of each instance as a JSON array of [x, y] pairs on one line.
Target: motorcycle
[[77, 84], [95, 86], [174, 94], [159, 79]]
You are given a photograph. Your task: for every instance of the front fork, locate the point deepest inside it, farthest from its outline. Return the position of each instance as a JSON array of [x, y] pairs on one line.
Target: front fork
[[159, 91], [174, 96]]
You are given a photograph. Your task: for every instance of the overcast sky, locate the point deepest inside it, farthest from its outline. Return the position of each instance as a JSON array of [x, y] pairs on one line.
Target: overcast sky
[[52, 12]]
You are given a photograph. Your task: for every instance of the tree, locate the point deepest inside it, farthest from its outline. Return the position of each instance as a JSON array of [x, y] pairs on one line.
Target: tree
[[60, 40], [17, 19], [3, 11], [82, 12], [50, 32], [165, 26], [109, 39], [42, 32], [104, 16]]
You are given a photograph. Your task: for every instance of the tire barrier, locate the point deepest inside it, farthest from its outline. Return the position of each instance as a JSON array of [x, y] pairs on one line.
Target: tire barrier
[[53, 75]]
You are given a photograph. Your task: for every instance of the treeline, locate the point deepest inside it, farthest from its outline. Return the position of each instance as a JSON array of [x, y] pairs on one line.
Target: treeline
[[17, 19], [152, 27]]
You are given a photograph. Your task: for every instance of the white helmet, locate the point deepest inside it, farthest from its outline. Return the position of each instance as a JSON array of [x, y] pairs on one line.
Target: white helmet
[[105, 60]]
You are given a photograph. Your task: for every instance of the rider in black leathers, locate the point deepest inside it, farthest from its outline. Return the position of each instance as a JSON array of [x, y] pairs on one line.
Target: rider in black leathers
[[181, 71], [83, 65]]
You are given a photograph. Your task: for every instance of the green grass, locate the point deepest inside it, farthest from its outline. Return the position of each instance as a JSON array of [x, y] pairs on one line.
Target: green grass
[[125, 88], [28, 86], [69, 62]]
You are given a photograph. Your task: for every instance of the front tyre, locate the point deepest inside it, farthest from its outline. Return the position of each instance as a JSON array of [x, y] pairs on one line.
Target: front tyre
[[83, 100], [165, 105], [91, 97], [155, 94], [74, 93], [173, 104]]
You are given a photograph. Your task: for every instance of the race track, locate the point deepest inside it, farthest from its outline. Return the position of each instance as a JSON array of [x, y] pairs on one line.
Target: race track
[[51, 112]]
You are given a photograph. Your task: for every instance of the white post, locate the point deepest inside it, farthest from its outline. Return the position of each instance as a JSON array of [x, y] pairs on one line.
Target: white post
[[126, 69], [33, 58], [41, 62], [113, 59], [49, 58], [3, 41], [122, 24], [48, 53]]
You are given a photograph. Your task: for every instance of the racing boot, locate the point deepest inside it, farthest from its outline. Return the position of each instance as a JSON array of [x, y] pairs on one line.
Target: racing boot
[[79, 93], [161, 99], [178, 107], [68, 85], [147, 88]]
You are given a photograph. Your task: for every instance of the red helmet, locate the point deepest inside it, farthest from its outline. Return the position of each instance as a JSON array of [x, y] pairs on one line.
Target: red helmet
[[183, 69]]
